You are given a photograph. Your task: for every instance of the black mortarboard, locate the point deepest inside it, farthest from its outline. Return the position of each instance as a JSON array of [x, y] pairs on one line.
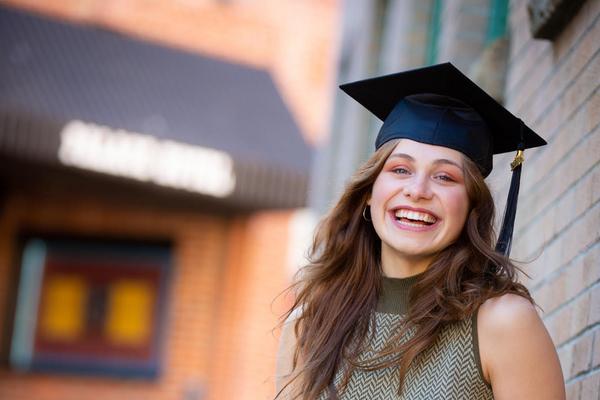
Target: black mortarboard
[[439, 105]]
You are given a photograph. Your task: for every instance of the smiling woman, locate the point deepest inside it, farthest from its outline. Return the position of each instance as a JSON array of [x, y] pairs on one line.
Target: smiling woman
[[407, 295]]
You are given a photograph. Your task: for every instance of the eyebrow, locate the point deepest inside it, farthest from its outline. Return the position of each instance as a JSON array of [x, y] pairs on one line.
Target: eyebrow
[[438, 161]]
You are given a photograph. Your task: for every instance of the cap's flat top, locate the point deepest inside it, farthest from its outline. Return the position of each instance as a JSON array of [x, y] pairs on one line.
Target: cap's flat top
[[379, 95]]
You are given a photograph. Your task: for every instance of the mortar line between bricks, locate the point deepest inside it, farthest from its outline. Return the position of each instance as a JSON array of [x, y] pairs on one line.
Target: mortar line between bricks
[[555, 101], [582, 375], [522, 50], [546, 209], [559, 271], [543, 211], [520, 82], [537, 251], [571, 301], [562, 268], [581, 333], [540, 249], [562, 60], [555, 131]]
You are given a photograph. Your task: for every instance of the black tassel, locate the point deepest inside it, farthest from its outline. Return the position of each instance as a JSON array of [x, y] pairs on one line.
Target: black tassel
[[508, 221], [510, 211]]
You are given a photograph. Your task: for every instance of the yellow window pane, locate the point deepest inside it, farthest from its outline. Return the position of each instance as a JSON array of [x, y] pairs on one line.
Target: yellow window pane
[[129, 313], [63, 309]]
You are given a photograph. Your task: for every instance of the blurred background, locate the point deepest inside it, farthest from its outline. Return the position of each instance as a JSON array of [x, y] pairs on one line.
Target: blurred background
[[163, 165]]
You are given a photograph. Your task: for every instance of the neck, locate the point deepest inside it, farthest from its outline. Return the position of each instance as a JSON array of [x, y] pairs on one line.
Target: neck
[[395, 265]]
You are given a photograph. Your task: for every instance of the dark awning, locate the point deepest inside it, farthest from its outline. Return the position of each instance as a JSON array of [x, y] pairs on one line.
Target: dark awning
[[67, 88]]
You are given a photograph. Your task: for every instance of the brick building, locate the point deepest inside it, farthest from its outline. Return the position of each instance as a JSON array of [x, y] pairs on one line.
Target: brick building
[[216, 256], [554, 84], [541, 60]]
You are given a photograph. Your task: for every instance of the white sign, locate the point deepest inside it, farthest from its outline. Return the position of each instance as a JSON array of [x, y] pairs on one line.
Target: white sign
[[146, 158]]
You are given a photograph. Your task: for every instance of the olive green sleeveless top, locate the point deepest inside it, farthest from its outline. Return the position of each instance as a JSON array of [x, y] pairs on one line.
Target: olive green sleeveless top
[[449, 369]]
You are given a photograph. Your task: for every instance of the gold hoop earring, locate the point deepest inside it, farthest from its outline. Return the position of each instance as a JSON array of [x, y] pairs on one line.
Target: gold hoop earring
[[364, 213]]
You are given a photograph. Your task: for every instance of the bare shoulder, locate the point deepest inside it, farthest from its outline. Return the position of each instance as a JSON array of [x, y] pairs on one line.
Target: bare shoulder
[[508, 312], [517, 354], [504, 319]]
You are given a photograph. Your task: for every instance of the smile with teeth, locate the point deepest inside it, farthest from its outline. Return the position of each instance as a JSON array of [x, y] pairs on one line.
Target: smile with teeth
[[414, 218]]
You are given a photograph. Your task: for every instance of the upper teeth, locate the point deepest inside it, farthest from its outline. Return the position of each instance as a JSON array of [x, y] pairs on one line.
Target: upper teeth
[[415, 215]]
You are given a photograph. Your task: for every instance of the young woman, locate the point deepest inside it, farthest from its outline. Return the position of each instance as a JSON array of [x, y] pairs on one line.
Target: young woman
[[405, 296]]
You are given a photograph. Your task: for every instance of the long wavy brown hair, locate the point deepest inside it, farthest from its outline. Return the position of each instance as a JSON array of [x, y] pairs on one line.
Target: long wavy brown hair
[[337, 292]]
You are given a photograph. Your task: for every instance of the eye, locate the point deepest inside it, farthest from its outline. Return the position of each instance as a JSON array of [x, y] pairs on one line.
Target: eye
[[445, 178], [400, 170]]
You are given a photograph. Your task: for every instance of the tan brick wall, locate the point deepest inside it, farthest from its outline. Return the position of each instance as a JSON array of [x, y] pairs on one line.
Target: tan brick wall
[[462, 40], [554, 87], [294, 40], [226, 272]]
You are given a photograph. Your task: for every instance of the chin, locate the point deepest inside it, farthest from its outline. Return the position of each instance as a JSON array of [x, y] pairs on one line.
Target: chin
[[413, 251]]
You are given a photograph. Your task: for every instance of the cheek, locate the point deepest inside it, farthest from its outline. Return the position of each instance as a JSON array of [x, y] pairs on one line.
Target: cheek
[[458, 206], [378, 193]]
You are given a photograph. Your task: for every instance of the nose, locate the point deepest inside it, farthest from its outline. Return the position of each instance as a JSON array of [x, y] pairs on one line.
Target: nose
[[418, 188]]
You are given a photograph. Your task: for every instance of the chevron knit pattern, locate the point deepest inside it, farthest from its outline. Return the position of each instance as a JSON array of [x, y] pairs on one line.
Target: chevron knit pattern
[[447, 370]]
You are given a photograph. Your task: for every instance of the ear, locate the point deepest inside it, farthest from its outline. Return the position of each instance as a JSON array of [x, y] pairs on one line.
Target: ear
[[369, 201]]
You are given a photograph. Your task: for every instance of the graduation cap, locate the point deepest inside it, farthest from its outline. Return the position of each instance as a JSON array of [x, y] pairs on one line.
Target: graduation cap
[[439, 105]]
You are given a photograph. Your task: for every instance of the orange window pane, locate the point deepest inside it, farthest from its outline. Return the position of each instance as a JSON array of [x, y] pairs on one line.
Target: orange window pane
[[62, 315], [129, 313]]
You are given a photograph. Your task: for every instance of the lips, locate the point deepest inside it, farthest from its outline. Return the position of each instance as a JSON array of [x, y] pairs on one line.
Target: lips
[[414, 218]]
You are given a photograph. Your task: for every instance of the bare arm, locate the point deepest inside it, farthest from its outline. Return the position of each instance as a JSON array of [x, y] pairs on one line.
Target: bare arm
[[517, 354]]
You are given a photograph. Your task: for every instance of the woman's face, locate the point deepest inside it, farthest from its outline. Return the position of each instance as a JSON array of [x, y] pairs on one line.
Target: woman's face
[[419, 202]]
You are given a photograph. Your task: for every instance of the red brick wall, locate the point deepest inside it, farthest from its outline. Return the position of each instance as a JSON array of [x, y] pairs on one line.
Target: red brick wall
[[225, 274], [554, 87], [248, 340]]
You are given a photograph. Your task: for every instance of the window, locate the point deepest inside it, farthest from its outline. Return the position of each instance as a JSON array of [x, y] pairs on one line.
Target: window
[[90, 306]]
